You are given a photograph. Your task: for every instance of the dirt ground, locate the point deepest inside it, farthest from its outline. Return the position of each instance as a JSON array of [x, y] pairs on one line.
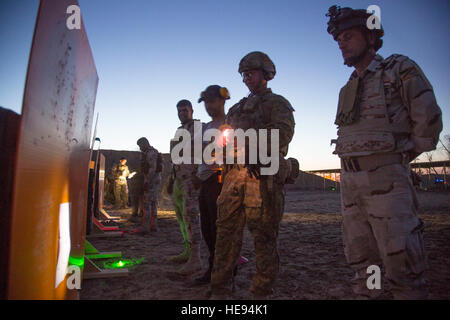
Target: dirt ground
[[312, 262]]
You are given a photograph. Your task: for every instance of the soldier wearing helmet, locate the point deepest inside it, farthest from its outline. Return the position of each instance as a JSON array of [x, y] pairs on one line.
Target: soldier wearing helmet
[[344, 23], [248, 197], [151, 172], [387, 115], [121, 173]]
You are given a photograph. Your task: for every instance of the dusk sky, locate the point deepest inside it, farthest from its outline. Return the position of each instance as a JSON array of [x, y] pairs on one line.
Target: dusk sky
[[151, 54]]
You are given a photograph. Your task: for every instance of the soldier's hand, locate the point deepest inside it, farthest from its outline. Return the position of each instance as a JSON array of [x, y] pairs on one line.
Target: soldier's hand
[[253, 171]]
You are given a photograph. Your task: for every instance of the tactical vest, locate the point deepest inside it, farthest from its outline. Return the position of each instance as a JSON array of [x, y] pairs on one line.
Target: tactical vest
[[254, 112], [365, 125], [119, 172]]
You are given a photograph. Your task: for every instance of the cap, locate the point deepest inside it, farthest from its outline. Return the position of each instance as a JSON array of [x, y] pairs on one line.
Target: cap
[[213, 92]]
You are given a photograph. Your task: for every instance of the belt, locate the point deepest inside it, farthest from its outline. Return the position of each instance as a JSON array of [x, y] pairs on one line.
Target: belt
[[370, 163]]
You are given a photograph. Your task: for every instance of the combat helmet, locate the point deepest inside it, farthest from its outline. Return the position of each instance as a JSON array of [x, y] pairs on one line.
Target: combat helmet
[[345, 18], [258, 60]]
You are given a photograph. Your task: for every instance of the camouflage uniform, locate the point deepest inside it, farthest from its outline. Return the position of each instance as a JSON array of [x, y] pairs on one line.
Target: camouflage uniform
[[152, 184], [397, 114], [121, 173], [185, 199], [257, 202], [109, 185], [386, 117]]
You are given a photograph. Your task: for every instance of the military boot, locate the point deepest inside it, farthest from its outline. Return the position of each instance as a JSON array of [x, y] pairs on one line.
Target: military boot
[[194, 263]]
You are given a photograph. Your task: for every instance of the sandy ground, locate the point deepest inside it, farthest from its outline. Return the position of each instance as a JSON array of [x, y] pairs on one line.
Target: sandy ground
[[312, 262]]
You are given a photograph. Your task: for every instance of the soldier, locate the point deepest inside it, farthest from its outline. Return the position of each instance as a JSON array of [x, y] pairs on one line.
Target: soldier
[[151, 168], [210, 174], [387, 115], [185, 185], [109, 184], [121, 174], [247, 197]]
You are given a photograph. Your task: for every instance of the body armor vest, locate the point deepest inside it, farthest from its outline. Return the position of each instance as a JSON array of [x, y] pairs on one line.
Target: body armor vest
[[378, 120], [254, 113]]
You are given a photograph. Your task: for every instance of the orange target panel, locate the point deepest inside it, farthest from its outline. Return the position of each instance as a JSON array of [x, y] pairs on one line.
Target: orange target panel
[[51, 172]]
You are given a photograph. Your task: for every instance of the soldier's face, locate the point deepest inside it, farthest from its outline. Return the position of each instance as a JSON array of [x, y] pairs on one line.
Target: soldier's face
[[123, 162], [254, 80], [352, 44], [214, 106], [184, 113]]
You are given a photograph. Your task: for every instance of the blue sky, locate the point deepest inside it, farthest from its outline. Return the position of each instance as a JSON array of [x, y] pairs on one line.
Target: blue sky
[[151, 54]]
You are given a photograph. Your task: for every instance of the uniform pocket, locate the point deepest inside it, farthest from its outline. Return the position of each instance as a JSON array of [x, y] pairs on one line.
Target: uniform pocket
[[252, 194], [415, 253], [359, 144], [232, 196], [406, 254]]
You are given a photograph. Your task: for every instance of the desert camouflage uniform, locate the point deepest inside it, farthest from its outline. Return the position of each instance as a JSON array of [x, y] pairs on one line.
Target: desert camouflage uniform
[[152, 184], [388, 112], [121, 174], [259, 203], [185, 199]]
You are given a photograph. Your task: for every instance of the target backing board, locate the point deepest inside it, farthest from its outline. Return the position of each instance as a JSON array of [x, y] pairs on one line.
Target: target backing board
[[51, 173]]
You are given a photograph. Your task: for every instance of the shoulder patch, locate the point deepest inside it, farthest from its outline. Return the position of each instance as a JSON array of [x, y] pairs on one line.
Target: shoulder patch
[[404, 66], [390, 61]]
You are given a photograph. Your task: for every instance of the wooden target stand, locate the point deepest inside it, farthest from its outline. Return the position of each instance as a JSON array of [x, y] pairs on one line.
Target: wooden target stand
[[98, 230], [92, 271]]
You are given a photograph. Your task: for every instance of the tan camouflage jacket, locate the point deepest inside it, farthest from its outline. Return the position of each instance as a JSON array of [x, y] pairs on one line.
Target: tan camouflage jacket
[[390, 108], [149, 161], [121, 173], [185, 171]]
